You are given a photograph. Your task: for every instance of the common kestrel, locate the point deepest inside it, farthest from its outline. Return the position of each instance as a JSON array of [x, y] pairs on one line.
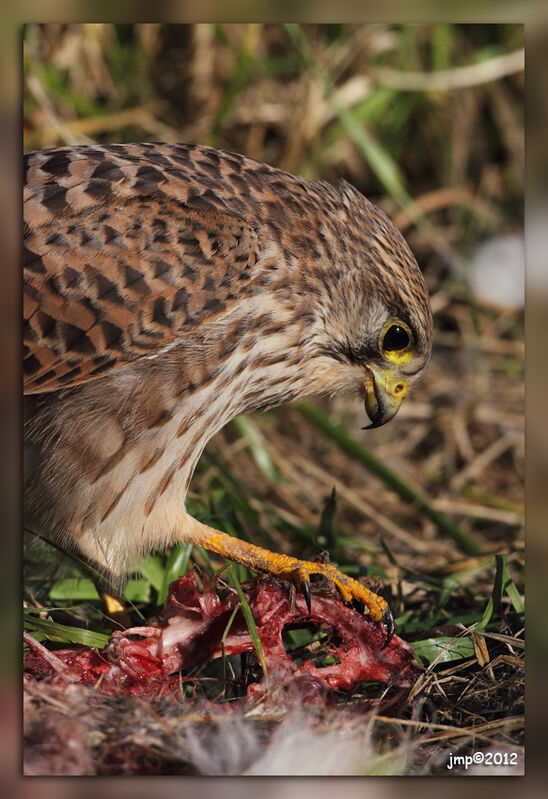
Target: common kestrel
[[169, 288]]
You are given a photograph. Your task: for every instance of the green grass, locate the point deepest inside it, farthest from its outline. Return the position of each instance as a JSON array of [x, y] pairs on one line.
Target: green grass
[[396, 147], [444, 601]]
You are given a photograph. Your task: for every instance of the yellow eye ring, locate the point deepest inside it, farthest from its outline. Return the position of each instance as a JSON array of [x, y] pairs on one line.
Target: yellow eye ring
[[397, 342]]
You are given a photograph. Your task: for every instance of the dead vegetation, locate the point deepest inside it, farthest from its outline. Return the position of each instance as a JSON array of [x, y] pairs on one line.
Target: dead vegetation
[[427, 121]]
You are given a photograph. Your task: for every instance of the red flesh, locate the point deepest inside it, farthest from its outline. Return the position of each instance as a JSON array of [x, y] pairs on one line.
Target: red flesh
[[146, 661]]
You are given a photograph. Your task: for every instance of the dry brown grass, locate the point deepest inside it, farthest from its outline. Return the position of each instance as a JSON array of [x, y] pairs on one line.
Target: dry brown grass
[[447, 165]]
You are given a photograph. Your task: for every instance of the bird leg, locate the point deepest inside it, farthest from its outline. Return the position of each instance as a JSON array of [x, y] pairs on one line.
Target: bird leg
[[288, 568], [113, 602]]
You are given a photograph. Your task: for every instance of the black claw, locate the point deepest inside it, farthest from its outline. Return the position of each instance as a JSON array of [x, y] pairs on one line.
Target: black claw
[[358, 605], [388, 620], [305, 588]]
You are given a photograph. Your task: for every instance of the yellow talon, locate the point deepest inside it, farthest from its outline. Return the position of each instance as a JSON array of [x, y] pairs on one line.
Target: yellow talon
[[349, 588], [285, 567], [113, 606]]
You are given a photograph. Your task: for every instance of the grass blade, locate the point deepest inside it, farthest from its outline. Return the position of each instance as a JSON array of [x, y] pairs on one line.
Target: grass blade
[[63, 632], [254, 439], [373, 153], [250, 622], [152, 569], [503, 584], [223, 639], [443, 649], [356, 450], [326, 528], [78, 589], [176, 566]]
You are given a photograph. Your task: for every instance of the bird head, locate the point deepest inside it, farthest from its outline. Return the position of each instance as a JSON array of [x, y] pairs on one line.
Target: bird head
[[377, 319], [387, 377]]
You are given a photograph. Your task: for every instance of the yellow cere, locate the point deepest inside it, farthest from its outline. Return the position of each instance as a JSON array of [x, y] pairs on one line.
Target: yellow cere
[[399, 390]]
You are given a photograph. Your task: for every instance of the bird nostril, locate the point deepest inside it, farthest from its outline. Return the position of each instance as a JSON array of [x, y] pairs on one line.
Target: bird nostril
[[399, 390]]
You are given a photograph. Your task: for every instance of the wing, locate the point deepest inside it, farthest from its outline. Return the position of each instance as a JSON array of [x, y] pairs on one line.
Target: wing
[[126, 247]]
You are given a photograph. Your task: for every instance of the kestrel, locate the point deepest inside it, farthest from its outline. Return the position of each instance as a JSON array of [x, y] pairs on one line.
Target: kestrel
[[170, 288]]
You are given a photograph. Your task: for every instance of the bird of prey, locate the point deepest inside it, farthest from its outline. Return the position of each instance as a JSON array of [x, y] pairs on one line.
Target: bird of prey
[[170, 288]]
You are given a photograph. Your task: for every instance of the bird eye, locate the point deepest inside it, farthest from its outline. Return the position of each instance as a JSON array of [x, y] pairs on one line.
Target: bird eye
[[395, 339]]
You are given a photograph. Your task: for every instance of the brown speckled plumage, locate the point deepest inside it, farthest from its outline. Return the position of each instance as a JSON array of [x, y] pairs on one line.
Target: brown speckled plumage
[[169, 288]]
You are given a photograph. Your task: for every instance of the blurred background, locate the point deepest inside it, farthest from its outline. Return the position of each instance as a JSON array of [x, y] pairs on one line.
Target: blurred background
[[427, 121]]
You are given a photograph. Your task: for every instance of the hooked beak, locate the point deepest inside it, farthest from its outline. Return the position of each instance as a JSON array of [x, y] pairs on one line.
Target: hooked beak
[[383, 396]]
